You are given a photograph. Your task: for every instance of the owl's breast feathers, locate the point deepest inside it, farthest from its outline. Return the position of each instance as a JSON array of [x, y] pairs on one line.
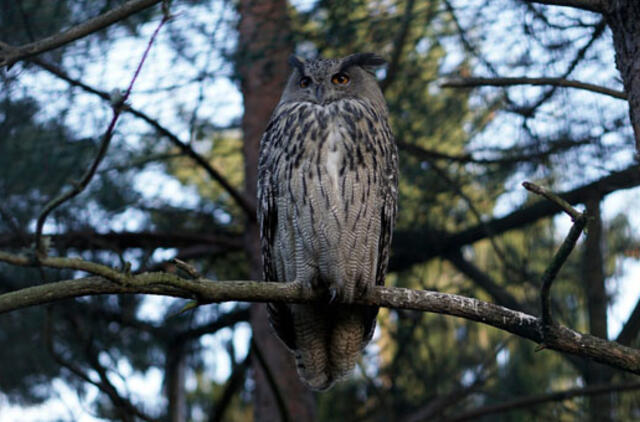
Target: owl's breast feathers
[[326, 205]]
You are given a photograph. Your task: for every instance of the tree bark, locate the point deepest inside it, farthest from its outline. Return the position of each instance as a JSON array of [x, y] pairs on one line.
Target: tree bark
[[600, 406], [623, 16], [261, 62]]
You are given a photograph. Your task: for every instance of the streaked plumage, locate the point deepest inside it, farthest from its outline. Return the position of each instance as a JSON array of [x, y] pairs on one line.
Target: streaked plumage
[[327, 182]]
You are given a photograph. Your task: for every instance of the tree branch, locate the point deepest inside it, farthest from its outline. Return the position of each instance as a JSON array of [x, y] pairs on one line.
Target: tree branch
[[560, 257], [538, 399], [110, 281], [10, 55], [561, 82], [421, 245]]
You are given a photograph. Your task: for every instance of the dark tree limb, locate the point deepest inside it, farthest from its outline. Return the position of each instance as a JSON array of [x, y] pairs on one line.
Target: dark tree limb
[[631, 327], [538, 399], [110, 281], [126, 409], [590, 5], [560, 82], [398, 45], [233, 384], [271, 379], [10, 55], [421, 245]]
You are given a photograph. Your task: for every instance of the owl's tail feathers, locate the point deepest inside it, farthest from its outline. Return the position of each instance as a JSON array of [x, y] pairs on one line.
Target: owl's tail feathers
[[346, 343], [311, 339]]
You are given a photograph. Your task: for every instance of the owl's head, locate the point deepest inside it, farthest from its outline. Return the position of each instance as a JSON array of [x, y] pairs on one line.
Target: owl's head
[[323, 81]]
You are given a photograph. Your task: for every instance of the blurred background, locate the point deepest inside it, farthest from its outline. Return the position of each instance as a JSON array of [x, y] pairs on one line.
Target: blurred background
[[465, 224]]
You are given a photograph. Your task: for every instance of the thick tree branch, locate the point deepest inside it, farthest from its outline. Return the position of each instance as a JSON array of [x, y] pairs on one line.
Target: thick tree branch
[[10, 55], [561, 82], [110, 281]]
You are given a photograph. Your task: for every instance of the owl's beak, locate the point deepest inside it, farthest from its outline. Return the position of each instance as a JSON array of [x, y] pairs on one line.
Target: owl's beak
[[319, 93]]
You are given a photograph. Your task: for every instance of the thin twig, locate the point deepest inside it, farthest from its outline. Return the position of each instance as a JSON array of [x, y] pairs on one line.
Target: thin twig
[[561, 82], [117, 105], [10, 54], [539, 190]]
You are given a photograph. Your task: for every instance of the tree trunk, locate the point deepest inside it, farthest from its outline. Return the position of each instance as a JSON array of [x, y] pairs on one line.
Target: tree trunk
[[261, 63], [600, 406], [623, 16]]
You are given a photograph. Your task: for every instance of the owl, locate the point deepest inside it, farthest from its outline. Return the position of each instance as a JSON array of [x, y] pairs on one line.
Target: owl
[[327, 189]]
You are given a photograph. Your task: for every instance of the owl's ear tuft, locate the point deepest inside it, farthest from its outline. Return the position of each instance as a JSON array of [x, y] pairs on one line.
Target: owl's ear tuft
[[368, 61], [296, 63]]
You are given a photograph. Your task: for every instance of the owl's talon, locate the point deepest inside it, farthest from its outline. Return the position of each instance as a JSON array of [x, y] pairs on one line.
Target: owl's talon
[[333, 294]]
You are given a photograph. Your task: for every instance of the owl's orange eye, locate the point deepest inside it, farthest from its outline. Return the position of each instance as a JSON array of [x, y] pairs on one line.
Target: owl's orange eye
[[340, 79], [305, 81]]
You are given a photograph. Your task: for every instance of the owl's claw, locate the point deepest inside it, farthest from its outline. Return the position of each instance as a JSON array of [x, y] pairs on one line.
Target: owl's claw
[[333, 294]]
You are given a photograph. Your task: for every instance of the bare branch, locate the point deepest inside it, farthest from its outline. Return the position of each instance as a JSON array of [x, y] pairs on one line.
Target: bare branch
[[10, 55], [110, 281], [104, 145], [556, 263], [561, 82], [563, 252], [185, 148]]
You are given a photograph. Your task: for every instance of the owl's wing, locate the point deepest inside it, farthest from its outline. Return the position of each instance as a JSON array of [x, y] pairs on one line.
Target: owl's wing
[[279, 313], [388, 172]]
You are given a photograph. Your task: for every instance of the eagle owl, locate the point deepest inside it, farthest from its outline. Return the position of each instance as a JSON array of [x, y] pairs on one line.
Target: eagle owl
[[327, 189]]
